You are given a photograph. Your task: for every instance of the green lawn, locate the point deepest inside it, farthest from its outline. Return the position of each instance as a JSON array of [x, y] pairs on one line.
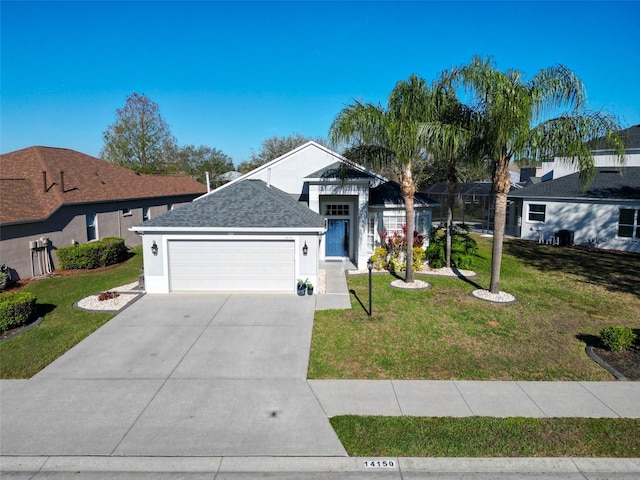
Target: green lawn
[[488, 437], [565, 297], [26, 354]]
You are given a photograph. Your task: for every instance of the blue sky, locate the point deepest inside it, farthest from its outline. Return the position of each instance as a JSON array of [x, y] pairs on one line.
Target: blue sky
[[229, 75]]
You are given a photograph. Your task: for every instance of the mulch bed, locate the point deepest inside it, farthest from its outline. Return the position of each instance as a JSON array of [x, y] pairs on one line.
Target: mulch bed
[[626, 362]]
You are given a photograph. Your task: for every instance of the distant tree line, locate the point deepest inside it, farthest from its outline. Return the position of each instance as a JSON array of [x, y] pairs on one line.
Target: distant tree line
[[140, 139]]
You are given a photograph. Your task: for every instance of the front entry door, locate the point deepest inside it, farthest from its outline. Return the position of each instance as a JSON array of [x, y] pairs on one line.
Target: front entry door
[[337, 238]]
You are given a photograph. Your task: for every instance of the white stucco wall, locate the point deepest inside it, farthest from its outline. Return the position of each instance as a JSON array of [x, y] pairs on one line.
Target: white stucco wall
[[156, 268], [560, 168], [588, 220], [289, 172]]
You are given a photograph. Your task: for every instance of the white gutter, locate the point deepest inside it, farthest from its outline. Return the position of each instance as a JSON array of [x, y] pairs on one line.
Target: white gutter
[[319, 230]]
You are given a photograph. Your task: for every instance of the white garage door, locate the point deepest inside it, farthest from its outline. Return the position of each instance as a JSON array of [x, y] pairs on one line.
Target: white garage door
[[238, 265]]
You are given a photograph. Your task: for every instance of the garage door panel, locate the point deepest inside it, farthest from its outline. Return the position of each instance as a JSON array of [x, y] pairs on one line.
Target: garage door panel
[[239, 265]]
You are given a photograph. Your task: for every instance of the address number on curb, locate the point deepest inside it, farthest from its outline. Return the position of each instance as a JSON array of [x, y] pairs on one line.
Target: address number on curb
[[379, 464]]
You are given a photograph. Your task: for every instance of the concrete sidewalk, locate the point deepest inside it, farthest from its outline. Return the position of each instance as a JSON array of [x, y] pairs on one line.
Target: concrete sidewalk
[[455, 398]]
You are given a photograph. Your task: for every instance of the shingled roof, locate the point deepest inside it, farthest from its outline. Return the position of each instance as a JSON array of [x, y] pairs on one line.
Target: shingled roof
[[389, 194], [249, 204], [342, 171], [609, 183], [36, 181]]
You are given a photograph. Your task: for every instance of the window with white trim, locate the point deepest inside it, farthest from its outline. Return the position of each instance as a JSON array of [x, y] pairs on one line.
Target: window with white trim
[[92, 226], [336, 209], [395, 222], [537, 212], [628, 223], [371, 225]]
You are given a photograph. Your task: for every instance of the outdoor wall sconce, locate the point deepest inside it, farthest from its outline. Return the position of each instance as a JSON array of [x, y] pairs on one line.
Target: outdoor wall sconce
[[154, 248], [305, 249]]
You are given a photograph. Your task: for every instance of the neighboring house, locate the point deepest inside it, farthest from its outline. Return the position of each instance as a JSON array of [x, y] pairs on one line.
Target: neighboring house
[[272, 226], [473, 202], [54, 197], [606, 215]]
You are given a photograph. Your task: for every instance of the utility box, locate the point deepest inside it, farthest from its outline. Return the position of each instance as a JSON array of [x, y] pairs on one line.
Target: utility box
[[564, 238]]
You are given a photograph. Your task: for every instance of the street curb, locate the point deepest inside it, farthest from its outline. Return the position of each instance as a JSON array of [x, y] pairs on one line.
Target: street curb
[[317, 464]]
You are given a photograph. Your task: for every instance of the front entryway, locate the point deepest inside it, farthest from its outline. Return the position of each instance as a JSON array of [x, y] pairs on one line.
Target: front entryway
[[337, 238]]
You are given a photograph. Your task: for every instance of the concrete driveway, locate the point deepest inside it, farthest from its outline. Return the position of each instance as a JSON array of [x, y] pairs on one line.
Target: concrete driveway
[[176, 375]]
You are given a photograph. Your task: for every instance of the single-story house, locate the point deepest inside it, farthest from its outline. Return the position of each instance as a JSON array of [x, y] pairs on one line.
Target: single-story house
[[271, 227], [53, 197], [603, 216], [606, 215]]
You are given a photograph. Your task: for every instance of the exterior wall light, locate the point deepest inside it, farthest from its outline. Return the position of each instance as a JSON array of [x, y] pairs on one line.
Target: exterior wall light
[[305, 249], [154, 248]]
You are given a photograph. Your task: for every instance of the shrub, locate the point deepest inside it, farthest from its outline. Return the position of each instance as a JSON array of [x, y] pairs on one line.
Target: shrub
[[392, 254], [106, 252], [418, 257], [16, 309], [463, 247], [617, 339], [379, 258], [4, 280]]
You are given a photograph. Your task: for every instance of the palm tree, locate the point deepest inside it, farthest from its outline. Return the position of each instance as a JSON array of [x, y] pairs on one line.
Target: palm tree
[[393, 133], [520, 118], [449, 138]]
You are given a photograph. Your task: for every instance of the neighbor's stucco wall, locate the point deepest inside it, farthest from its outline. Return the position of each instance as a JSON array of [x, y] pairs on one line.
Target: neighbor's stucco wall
[[67, 226], [588, 220], [560, 168]]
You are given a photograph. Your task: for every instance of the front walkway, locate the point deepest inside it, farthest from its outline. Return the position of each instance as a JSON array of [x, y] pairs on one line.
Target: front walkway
[[336, 294]]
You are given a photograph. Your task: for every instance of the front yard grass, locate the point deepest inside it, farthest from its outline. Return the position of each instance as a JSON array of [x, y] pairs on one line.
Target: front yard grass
[[26, 354], [565, 297], [488, 437]]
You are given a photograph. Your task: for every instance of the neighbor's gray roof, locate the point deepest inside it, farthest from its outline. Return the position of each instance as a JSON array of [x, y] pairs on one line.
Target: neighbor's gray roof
[[463, 188], [341, 171], [609, 183], [630, 136], [246, 204], [390, 193]]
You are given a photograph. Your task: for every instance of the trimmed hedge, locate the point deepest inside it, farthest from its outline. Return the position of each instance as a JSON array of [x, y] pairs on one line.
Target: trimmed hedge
[[92, 255], [16, 309]]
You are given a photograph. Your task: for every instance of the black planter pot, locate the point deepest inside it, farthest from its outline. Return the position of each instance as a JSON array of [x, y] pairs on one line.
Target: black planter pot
[[309, 291], [302, 290]]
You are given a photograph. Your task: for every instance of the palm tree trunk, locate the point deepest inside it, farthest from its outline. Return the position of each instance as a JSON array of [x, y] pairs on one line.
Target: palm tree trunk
[[408, 190], [501, 185]]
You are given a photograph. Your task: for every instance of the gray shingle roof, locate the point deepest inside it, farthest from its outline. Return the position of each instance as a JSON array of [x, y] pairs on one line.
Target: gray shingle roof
[[390, 193], [630, 136], [246, 204], [609, 183], [342, 171]]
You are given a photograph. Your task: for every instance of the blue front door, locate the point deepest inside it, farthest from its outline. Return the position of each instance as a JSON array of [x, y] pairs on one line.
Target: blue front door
[[337, 238]]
